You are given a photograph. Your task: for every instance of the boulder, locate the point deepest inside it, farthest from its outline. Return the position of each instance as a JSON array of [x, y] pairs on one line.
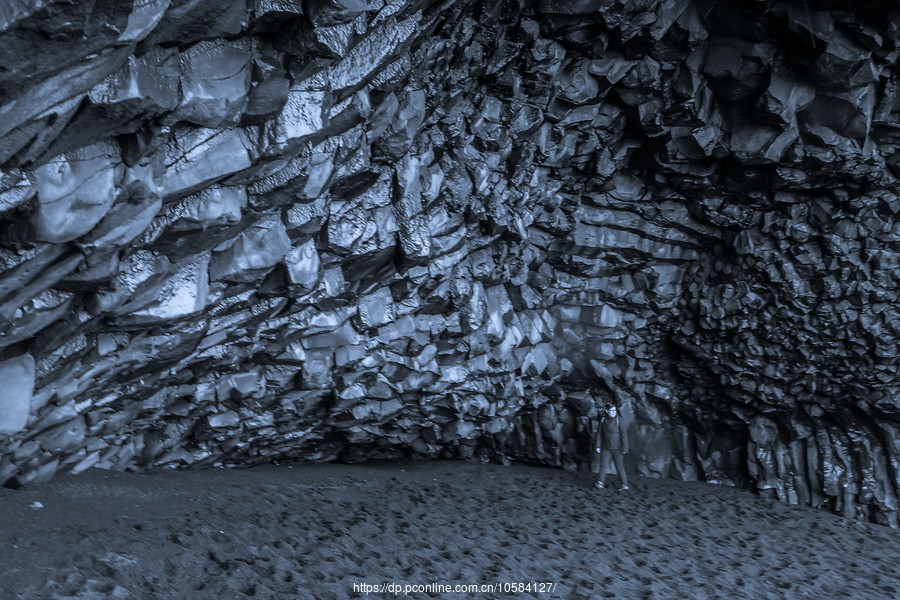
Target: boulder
[[261, 246], [75, 191], [17, 375]]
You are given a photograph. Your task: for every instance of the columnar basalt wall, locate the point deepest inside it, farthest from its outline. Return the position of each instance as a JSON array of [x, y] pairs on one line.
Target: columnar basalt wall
[[252, 230]]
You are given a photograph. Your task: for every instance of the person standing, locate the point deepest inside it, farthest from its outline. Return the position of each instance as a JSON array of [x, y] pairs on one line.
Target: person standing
[[610, 445]]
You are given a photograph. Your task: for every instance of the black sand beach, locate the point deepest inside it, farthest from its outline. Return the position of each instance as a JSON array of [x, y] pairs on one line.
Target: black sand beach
[[322, 531]]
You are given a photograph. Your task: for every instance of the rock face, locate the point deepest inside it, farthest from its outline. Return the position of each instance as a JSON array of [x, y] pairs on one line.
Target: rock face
[[17, 375], [247, 230]]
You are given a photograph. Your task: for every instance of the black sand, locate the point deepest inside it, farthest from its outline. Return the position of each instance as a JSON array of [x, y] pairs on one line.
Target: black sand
[[315, 531]]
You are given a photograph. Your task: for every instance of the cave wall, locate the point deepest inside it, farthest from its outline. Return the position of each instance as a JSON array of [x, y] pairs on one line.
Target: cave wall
[[257, 230]]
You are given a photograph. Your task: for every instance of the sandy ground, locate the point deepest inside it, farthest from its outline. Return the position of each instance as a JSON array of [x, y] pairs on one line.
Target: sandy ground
[[314, 531]]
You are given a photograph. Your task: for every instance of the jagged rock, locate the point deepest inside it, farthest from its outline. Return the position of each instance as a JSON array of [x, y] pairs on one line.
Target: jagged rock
[[201, 157], [376, 309], [301, 117], [187, 21], [237, 231], [125, 221], [17, 375], [269, 92], [41, 311], [260, 247], [403, 121], [61, 438], [74, 192], [182, 294], [144, 86], [303, 265], [213, 207], [214, 84]]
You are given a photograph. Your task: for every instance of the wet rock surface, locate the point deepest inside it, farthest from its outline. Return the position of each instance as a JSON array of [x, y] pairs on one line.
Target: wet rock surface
[[246, 231]]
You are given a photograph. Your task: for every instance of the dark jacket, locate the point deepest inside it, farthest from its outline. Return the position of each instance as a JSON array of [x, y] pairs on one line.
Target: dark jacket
[[611, 434]]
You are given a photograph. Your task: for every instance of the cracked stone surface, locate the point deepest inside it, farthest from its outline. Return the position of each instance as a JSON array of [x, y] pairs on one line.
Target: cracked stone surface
[[251, 230]]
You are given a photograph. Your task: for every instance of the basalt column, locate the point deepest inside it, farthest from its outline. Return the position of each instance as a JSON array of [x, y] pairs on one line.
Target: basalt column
[[252, 230]]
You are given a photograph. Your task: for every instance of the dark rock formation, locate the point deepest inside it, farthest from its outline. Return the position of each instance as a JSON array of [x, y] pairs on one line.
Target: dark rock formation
[[250, 230]]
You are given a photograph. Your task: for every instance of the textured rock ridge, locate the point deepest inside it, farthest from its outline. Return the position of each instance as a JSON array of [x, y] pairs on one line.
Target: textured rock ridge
[[254, 230]]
